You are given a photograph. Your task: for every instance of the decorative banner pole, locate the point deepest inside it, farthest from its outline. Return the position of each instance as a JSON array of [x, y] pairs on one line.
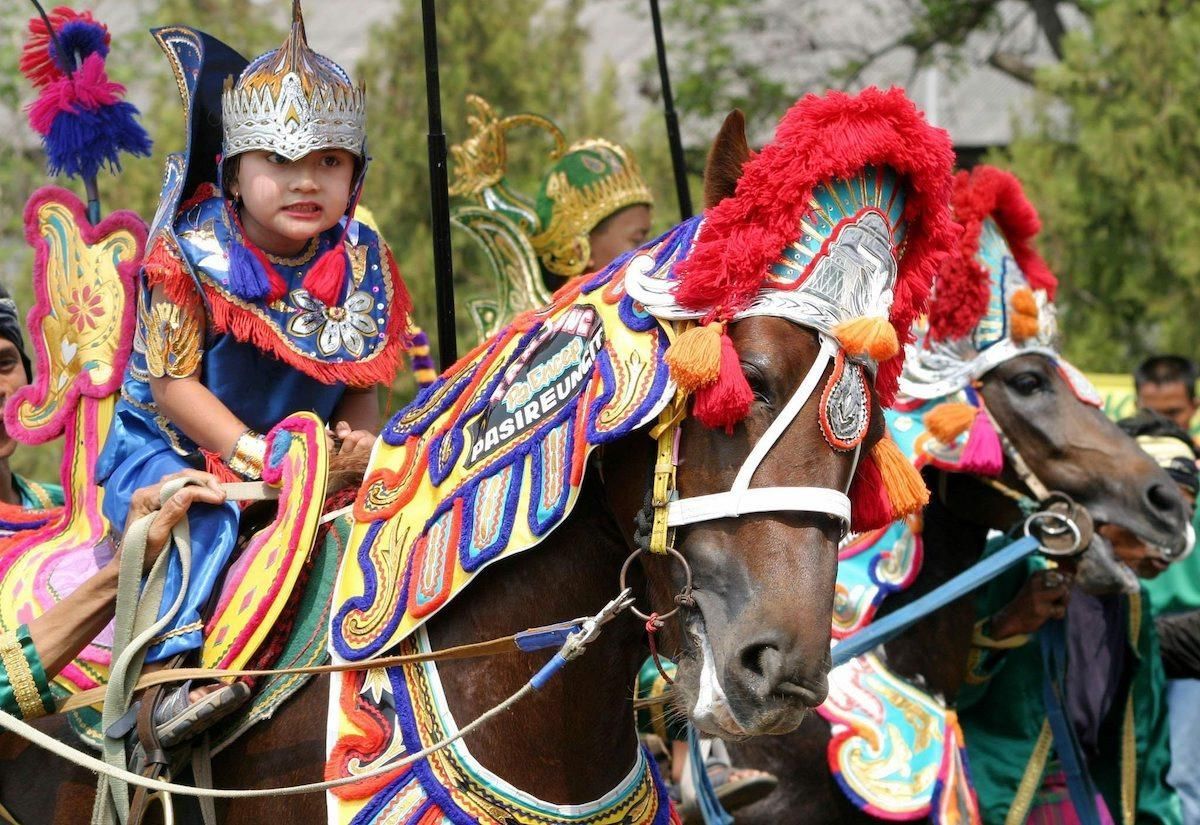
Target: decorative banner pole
[[681, 182], [439, 186]]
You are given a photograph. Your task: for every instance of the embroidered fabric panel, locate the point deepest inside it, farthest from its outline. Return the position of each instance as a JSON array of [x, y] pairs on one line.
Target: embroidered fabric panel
[[170, 338], [343, 339], [488, 460], [382, 715], [896, 751]]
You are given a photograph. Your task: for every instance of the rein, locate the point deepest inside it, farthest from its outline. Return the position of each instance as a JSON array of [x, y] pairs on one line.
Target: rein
[[574, 646]]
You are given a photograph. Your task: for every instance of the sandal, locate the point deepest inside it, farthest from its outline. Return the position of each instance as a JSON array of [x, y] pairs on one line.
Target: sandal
[[735, 787], [739, 787], [177, 718]]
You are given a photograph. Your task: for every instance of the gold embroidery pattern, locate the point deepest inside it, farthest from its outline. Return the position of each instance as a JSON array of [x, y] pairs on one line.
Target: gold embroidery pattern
[[300, 260], [172, 341], [1032, 780], [20, 676]]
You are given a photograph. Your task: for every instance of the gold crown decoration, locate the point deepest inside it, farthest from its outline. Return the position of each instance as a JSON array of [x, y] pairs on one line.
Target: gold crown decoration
[[481, 161], [591, 181], [293, 101]]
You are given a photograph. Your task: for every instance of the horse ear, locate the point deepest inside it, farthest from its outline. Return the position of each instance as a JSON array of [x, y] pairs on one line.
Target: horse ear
[[729, 151]]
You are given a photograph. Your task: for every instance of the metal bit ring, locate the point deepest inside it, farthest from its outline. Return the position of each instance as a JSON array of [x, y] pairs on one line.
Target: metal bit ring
[[684, 596]]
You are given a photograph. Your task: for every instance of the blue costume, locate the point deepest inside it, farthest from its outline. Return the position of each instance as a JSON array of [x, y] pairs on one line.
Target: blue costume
[[262, 360]]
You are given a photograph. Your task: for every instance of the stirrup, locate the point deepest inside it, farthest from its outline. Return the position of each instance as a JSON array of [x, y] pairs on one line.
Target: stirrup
[[177, 718]]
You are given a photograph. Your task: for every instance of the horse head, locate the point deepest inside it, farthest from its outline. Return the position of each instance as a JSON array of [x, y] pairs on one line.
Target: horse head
[[810, 256], [990, 345]]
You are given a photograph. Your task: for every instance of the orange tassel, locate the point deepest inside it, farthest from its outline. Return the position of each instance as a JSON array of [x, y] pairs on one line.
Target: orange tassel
[[871, 335], [1023, 328], [327, 276], [694, 358], [905, 488], [948, 420]]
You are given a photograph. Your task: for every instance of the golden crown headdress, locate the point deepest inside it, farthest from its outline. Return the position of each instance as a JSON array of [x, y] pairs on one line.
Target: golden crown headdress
[[293, 101]]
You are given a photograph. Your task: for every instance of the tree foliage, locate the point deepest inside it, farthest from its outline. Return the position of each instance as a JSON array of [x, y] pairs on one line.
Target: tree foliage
[[1112, 163]]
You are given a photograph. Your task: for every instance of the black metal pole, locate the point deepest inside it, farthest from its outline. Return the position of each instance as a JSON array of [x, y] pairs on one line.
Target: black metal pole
[[439, 191], [681, 181]]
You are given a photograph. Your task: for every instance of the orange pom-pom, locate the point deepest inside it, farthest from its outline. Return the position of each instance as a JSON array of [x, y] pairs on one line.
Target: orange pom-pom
[[1023, 327], [871, 335], [726, 401], [948, 420], [906, 489], [1024, 323], [1023, 302], [694, 358]]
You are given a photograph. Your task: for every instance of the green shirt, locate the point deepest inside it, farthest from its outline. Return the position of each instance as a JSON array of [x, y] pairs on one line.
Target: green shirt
[[37, 496], [20, 664], [1178, 587], [1009, 745]]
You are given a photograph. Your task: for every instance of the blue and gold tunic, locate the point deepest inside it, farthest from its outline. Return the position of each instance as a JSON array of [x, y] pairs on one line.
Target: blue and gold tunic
[[264, 360]]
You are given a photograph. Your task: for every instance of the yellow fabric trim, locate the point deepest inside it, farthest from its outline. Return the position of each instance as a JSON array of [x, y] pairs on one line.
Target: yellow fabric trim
[[981, 639], [1135, 619], [20, 676], [1032, 780], [179, 631], [1128, 763]]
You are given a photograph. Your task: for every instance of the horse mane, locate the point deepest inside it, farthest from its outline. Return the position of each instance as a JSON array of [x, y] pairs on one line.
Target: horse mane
[[820, 138], [964, 284]]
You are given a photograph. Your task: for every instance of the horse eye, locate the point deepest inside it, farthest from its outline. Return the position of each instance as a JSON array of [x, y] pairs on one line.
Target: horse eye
[[757, 382], [1027, 383]]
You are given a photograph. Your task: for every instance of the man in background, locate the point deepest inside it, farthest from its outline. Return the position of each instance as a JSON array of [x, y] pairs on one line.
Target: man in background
[[1166, 384]]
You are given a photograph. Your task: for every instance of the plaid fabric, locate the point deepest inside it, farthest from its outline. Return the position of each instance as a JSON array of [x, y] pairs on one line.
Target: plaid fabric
[[1052, 804]]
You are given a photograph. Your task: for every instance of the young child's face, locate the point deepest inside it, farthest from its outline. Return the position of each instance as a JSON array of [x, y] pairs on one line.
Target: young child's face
[[286, 203]]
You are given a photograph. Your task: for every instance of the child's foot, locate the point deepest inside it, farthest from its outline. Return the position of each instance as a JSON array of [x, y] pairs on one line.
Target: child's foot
[[189, 710]]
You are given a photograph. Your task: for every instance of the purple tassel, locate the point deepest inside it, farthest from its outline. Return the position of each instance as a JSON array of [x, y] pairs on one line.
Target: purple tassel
[[247, 280], [79, 38], [81, 141]]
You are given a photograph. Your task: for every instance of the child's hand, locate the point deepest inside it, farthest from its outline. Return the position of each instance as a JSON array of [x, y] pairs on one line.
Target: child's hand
[[352, 441]]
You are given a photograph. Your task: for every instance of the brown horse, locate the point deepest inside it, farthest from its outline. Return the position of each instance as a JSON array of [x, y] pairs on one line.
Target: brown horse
[[763, 594], [1071, 447]]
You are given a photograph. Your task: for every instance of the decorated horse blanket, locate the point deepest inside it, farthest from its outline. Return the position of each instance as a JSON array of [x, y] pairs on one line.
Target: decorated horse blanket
[[482, 466], [896, 749]]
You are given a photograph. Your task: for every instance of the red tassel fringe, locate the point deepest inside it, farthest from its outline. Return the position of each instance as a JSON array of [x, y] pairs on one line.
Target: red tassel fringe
[[870, 507], [726, 401], [964, 284], [818, 139], [324, 281]]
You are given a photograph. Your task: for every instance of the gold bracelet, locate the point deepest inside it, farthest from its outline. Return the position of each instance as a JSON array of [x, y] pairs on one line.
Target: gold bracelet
[[20, 676], [249, 455]]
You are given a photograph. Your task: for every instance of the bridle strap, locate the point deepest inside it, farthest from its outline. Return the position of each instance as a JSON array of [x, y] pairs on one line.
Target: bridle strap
[[741, 498], [760, 500]]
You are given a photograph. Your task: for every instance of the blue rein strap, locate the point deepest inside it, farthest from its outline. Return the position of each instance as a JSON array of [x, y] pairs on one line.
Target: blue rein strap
[[884, 629], [1053, 639], [706, 795]]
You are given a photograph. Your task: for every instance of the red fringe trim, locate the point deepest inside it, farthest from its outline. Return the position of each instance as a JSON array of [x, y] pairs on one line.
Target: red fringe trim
[[821, 138], [165, 268], [964, 284]]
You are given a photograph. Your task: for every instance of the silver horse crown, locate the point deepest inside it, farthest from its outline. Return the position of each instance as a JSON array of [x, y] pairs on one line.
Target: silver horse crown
[[293, 101]]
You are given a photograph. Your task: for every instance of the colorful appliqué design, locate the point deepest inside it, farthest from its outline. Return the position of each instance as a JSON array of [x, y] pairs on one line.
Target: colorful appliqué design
[[490, 458], [387, 714], [896, 751]]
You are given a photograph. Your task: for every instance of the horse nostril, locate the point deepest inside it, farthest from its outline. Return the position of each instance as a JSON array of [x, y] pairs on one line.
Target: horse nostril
[[1162, 498], [762, 659]]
